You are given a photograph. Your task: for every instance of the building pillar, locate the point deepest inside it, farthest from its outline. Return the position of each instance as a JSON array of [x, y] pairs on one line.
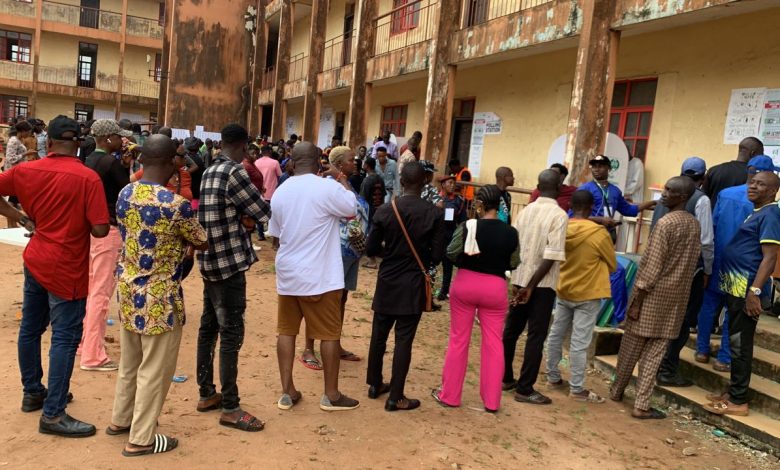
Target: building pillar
[[120, 80], [360, 93], [440, 94], [282, 68], [258, 67], [311, 98], [165, 64], [594, 79], [36, 58]]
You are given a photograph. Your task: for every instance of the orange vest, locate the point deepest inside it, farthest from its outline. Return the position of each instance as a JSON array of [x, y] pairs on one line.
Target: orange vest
[[466, 191]]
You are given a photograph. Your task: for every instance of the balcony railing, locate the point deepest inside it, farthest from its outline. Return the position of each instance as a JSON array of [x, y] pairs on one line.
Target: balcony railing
[[145, 88], [57, 75], [340, 51], [107, 83], [269, 78], [144, 27], [16, 71], [299, 65], [404, 26], [17, 8], [480, 11], [82, 16]]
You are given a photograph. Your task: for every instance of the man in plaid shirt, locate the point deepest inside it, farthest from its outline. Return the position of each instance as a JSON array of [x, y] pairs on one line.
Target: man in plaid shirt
[[229, 204]]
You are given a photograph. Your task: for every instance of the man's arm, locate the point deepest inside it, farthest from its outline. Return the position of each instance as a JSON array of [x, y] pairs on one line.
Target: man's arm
[[765, 269], [654, 258], [704, 216], [96, 209], [439, 245], [554, 251], [606, 251], [189, 228], [375, 236], [246, 197]]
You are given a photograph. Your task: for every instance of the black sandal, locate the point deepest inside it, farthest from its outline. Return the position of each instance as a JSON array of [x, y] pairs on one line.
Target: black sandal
[[246, 422], [652, 414], [162, 444], [118, 431]]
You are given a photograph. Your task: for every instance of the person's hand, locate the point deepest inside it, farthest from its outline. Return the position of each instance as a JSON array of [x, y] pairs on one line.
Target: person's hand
[[28, 225], [706, 280], [248, 223], [633, 309], [647, 205], [753, 305], [522, 296], [189, 252], [128, 156]]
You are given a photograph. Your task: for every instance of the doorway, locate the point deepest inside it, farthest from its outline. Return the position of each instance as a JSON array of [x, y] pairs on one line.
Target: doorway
[[349, 25], [266, 116], [462, 123], [477, 12], [89, 16], [87, 65]]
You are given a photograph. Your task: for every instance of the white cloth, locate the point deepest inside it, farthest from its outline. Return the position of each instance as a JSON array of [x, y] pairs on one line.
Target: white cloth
[[305, 218], [635, 181], [470, 246]]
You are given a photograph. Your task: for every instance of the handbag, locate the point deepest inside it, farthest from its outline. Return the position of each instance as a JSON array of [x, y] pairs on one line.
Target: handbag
[[426, 276]]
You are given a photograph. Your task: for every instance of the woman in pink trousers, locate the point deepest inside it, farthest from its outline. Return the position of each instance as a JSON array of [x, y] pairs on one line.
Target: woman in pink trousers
[[483, 250]]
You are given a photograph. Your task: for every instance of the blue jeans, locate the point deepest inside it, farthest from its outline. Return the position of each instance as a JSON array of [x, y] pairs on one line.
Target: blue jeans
[[711, 306], [39, 309]]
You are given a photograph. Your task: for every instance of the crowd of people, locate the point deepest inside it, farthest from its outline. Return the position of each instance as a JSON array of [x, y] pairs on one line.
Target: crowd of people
[[127, 212]]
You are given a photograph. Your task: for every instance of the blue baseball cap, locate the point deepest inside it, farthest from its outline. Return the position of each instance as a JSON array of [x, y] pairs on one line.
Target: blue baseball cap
[[694, 166], [762, 163]]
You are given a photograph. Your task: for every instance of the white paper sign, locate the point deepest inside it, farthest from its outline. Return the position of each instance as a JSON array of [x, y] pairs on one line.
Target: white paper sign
[[769, 131], [477, 142], [327, 127], [449, 214], [744, 114], [290, 126]]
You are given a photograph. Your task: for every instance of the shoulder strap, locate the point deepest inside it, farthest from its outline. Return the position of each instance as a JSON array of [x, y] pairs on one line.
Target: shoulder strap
[[406, 234]]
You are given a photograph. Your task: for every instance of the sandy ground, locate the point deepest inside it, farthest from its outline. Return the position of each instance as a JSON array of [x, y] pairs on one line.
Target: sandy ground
[[564, 435]]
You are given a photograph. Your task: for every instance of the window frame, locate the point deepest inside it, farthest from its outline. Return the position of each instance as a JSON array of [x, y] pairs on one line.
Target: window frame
[[397, 126], [627, 109], [12, 106], [405, 19], [23, 44], [87, 110], [157, 67]]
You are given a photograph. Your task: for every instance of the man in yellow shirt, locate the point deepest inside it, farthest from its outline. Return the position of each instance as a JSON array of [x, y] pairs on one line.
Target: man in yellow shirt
[[584, 281]]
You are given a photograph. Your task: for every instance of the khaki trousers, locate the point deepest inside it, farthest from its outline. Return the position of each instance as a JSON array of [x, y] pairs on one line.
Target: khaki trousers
[[146, 368]]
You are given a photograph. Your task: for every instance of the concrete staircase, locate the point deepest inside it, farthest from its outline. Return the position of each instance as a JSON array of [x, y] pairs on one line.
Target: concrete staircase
[[761, 429]]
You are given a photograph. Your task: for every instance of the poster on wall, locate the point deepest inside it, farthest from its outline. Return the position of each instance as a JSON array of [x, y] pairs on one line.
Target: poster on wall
[[327, 127], [492, 124], [290, 126], [477, 142], [744, 114], [769, 131], [774, 152]]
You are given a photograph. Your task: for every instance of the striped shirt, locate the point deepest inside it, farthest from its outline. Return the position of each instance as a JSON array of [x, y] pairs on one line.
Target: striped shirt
[[541, 227]]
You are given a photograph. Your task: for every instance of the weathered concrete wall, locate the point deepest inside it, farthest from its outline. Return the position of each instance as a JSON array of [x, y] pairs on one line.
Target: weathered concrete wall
[[209, 80], [545, 23], [630, 12], [335, 79], [400, 62], [266, 96], [294, 89]]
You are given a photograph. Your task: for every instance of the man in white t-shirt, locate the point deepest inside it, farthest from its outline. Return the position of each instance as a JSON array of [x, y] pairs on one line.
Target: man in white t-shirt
[[309, 269]]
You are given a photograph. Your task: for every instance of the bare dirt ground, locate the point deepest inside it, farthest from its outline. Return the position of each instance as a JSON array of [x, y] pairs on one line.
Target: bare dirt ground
[[564, 435]]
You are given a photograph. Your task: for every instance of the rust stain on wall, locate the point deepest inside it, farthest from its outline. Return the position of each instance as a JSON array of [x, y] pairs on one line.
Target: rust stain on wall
[[209, 76], [400, 62], [335, 79], [637, 11]]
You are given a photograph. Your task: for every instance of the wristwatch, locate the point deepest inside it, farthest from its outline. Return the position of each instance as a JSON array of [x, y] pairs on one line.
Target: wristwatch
[[755, 290]]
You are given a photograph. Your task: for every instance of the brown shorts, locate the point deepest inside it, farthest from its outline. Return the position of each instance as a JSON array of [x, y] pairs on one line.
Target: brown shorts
[[322, 313]]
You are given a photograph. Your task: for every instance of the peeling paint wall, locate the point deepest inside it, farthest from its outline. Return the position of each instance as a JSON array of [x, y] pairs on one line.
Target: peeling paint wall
[[335, 79], [208, 78], [403, 61], [630, 12]]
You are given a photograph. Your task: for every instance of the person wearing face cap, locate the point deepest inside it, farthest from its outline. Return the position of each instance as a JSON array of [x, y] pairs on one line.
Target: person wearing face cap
[[55, 292], [114, 172], [732, 208], [429, 192], [607, 198], [698, 206]]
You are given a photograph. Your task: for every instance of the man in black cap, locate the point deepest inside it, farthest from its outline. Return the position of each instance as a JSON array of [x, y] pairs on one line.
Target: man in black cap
[[607, 198], [429, 192], [56, 268]]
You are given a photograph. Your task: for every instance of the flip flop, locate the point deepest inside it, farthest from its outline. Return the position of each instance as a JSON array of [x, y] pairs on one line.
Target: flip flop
[[118, 431], [654, 414], [312, 364], [246, 422], [162, 443], [350, 356]]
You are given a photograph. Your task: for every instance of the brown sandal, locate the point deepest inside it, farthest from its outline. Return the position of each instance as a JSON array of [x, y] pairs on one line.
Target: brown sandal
[[725, 407]]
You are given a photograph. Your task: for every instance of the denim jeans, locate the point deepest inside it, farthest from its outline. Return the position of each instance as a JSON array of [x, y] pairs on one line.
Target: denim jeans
[[224, 303], [39, 309], [581, 317], [713, 302]]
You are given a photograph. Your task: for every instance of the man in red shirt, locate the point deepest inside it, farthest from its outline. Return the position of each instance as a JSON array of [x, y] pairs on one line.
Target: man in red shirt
[[566, 192], [66, 202]]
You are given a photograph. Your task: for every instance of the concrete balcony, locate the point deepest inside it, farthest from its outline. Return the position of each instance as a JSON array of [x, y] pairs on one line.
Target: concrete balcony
[[64, 81], [17, 8], [402, 40], [16, 71], [144, 27], [141, 88], [337, 63], [82, 16], [296, 83]]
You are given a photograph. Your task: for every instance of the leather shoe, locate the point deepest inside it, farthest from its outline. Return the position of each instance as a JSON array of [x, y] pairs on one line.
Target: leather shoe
[[66, 426], [673, 380], [404, 404], [375, 392], [721, 366], [701, 357], [34, 401]]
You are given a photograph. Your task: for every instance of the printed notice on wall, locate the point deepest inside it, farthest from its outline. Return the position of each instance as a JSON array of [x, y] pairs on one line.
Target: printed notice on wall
[[327, 128], [744, 114], [492, 124], [477, 143], [769, 131], [290, 126]]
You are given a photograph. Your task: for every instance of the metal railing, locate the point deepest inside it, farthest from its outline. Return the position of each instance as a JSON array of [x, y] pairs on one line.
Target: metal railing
[[16, 71], [480, 11], [107, 83], [340, 51], [299, 65], [145, 88], [57, 75], [269, 78], [520, 198], [144, 27], [17, 8], [405, 25], [82, 16]]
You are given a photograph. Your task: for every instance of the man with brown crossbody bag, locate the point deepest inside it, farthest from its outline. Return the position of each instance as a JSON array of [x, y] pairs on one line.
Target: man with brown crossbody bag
[[408, 234]]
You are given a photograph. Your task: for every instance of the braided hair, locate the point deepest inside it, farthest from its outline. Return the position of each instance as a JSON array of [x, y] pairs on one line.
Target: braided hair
[[490, 196]]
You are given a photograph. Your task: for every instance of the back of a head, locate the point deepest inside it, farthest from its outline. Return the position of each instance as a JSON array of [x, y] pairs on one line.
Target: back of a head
[[683, 184], [549, 180], [125, 124], [306, 157], [158, 148], [561, 168], [234, 134], [166, 131], [490, 195], [582, 200], [371, 163], [413, 175], [338, 154], [750, 147], [23, 126], [136, 128]]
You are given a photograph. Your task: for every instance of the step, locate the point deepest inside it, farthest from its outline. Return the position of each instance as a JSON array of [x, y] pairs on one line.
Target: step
[[764, 394], [766, 363], [757, 430], [768, 333]]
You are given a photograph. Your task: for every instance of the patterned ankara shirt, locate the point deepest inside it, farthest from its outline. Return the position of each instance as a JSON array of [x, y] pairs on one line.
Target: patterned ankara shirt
[[226, 194], [156, 226], [430, 194]]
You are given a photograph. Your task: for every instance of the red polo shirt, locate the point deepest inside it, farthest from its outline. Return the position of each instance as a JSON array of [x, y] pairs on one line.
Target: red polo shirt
[[65, 199]]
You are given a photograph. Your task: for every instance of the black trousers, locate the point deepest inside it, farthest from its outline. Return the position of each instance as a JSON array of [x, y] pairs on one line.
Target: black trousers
[[671, 361], [405, 330], [536, 314], [224, 303], [742, 329]]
